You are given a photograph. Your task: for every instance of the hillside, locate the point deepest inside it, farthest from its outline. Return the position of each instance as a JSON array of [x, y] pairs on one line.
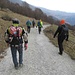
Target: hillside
[[69, 17], [26, 11], [56, 15], [16, 1], [5, 23]]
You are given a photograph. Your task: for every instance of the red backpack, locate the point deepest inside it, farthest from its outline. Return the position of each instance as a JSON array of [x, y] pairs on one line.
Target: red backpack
[[15, 31]]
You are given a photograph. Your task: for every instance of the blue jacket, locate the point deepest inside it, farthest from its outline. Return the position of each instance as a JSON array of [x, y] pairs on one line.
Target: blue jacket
[[28, 23], [39, 24]]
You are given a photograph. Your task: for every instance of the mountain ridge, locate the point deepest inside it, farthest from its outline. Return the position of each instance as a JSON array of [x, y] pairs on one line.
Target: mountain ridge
[[69, 17]]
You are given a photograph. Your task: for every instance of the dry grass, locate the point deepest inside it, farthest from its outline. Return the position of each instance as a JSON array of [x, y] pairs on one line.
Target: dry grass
[[69, 47], [5, 24]]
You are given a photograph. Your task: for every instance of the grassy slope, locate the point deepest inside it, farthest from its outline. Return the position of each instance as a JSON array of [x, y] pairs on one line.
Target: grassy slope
[[68, 46], [4, 24]]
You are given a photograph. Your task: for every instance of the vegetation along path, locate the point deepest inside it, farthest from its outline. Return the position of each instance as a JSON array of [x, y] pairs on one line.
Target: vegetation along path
[[41, 58]]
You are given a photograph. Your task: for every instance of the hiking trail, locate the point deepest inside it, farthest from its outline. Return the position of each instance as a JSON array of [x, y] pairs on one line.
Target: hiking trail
[[41, 58]]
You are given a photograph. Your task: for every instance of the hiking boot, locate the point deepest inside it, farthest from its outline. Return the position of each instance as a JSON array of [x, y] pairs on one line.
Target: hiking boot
[[16, 67], [20, 65], [60, 53]]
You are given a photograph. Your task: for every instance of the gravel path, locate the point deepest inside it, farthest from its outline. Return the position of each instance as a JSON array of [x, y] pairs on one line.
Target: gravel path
[[41, 58]]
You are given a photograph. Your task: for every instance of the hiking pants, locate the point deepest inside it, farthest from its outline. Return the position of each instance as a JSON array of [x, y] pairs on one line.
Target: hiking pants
[[60, 43], [28, 29], [14, 50], [39, 29], [33, 25]]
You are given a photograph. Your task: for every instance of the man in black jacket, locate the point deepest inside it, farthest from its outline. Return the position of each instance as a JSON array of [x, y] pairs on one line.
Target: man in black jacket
[[63, 34], [33, 23]]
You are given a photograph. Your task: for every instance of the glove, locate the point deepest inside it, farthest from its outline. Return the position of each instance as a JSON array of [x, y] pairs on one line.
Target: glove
[[26, 46], [53, 36], [66, 39]]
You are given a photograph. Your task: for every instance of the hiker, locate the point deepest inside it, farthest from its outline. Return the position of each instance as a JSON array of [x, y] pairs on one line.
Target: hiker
[[40, 25], [63, 34], [28, 23], [15, 36], [33, 23]]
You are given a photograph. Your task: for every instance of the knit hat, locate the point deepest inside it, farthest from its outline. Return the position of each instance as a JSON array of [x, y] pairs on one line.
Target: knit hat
[[62, 22]]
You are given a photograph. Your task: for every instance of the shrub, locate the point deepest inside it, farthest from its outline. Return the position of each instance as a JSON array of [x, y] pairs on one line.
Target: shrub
[[6, 17]]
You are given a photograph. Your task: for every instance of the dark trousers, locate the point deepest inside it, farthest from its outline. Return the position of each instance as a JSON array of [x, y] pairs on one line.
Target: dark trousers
[[28, 29], [60, 43], [33, 25], [14, 50], [39, 30]]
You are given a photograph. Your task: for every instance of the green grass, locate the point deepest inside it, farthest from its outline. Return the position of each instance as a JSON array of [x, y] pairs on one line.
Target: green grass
[[69, 47]]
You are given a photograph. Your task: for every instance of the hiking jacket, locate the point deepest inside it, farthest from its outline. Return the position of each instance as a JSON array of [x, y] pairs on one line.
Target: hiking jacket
[[40, 24], [28, 23], [59, 32]]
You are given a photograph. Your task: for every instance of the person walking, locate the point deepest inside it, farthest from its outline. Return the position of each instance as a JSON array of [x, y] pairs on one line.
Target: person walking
[[33, 23], [15, 36], [40, 25], [28, 23], [63, 34]]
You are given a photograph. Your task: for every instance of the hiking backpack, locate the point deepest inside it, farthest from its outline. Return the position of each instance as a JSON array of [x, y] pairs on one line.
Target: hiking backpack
[[15, 35], [33, 22], [39, 24], [64, 30], [15, 31], [28, 23]]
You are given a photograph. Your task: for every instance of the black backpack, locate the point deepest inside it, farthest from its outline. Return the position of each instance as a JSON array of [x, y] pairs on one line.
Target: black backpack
[[33, 22], [64, 30]]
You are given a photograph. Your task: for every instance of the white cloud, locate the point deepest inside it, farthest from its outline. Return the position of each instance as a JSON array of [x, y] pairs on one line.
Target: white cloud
[[62, 5]]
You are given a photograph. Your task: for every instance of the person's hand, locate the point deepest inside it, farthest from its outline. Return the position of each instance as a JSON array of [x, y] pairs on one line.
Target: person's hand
[[26, 46], [66, 39], [53, 36]]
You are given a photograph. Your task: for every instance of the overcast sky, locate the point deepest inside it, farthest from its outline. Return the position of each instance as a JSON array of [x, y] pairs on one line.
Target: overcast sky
[[61, 5]]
